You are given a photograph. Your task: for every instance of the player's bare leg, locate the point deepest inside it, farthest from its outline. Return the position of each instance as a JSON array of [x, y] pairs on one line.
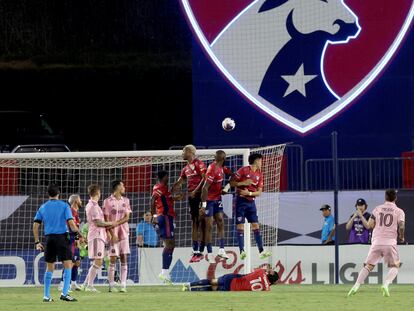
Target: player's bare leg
[[124, 272], [392, 274], [167, 254], [218, 217], [259, 242], [361, 278], [208, 237], [111, 274]]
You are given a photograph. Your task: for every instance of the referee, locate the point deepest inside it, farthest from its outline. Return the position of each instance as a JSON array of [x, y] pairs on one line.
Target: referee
[[55, 215]]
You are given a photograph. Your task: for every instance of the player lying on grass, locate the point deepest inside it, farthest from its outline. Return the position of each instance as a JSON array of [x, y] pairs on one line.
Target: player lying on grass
[[258, 280]]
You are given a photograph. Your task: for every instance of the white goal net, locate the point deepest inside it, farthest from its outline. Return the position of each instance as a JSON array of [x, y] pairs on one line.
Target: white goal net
[[25, 177]]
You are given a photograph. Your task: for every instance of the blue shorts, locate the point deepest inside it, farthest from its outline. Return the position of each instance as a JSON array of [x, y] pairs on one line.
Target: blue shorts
[[166, 226], [245, 209], [224, 282], [75, 250], [214, 207]]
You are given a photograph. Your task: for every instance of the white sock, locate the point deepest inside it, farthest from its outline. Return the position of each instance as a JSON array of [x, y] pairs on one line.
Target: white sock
[[165, 271], [356, 286], [123, 284]]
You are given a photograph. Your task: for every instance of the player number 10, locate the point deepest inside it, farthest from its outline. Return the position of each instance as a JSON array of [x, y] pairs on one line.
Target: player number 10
[[386, 219], [256, 285]]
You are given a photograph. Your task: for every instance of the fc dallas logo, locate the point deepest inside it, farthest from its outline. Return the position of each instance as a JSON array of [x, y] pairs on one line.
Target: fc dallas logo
[[300, 61]]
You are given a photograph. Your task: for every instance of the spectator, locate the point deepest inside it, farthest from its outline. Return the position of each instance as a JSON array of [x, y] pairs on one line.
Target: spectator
[[146, 234], [358, 224], [328, 228]]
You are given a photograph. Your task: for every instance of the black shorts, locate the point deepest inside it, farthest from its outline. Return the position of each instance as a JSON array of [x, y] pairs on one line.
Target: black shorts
[[194, 206], [58, 248]]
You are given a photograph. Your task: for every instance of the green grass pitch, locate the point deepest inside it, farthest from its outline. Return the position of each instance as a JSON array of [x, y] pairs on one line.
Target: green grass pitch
[[163, 298]]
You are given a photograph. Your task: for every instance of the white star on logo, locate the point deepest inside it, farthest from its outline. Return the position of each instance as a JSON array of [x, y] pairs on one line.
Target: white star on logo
[[298, 81]]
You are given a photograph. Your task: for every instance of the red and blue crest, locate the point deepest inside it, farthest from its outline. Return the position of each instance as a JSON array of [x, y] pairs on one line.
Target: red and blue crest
[[301, 62]]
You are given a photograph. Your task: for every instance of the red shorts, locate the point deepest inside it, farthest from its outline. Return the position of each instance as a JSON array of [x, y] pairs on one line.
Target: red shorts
[[388, 252], [119, 248]]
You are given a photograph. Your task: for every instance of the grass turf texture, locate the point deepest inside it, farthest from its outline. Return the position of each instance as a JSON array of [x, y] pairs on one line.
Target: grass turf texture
[[162, 298]]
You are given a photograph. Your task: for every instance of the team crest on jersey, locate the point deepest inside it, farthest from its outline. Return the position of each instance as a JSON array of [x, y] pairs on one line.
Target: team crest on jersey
[[301, 62]]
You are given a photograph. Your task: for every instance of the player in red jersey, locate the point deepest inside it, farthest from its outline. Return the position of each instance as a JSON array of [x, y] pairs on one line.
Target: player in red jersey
[[193, 173], [256, 281], [211, 205], [249, 183], [162, 207]]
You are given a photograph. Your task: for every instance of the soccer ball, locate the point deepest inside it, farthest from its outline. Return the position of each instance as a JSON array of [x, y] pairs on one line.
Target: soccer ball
[[228, 124]]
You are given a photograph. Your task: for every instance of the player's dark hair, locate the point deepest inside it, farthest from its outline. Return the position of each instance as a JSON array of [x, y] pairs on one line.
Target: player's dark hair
[[390, 195], [93, 189], [53, 190], [253, 157], [161, 175], [115, 184], [273, 278]]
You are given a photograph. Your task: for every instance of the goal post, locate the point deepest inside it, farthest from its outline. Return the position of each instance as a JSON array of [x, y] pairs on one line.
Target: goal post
[[24, 179]]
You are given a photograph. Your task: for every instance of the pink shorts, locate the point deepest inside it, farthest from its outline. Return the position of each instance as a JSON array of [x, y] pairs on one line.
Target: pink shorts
[[119, 248], [388, 252], [96, 249]]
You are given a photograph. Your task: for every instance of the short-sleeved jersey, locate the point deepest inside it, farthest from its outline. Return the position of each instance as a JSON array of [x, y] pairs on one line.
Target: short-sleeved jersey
[[246, 173], [94, 213], [76, 218], [254, 281], [193, 172], [327, 227], [115, 210], [387, 217], [54, 214], [164, 202], [214, 177]]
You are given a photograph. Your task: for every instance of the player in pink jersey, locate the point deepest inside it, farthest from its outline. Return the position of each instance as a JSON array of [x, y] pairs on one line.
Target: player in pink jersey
[[193, 173], [388, 222], [96, 236], [116, 208], [211, 205]]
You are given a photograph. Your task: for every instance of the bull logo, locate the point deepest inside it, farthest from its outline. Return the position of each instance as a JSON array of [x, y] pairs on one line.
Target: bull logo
[[274, 52]]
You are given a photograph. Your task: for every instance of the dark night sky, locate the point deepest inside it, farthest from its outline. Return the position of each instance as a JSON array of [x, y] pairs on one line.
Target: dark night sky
[[103, 77]]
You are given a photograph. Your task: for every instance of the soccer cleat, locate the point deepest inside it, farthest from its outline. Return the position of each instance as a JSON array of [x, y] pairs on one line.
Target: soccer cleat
[[45, 299], [243, 255], [123, 289], [91, 289], [76, 287], [113, 289], [198, 257], [385, 291], [265, 254], [68, 298], [185, 288], [165, 279], [352, 291], [209, 257], [222, 254], [193, 258]]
